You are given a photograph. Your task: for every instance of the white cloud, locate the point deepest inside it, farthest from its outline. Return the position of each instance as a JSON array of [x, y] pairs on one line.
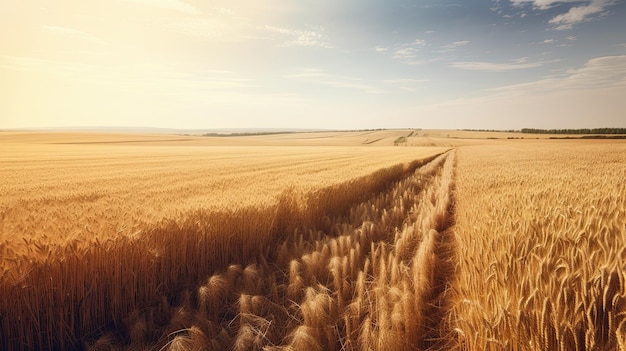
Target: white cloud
[[548, 41], [321, 77], [600, 72], [457, 44], [380, 49], [516, 64], [309, 38], [176, 5], [588, 96], [296, 37], [407, 52], [543, 4], [453, 46], [581, 10], [279, 30], [580, 14]]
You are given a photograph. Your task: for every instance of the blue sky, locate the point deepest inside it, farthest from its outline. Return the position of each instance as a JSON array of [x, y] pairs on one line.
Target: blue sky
[[352, 64]]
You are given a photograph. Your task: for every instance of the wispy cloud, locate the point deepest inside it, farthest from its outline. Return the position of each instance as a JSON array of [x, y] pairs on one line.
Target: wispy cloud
[[457, 44], [453, 46], [597, 73], [586, 96], [600, 72], [408, 52], [516, 64], [543, 4], [579, 12], [176, 5], [321, 77], [313, 37], [405, 54]]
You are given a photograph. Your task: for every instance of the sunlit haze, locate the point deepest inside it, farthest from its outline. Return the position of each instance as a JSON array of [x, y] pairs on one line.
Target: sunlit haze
[[503, 64]]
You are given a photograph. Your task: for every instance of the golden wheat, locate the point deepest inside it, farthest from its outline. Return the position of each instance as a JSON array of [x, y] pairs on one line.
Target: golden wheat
[[163, 269], [542, 228], [61, 189], [524, 252]]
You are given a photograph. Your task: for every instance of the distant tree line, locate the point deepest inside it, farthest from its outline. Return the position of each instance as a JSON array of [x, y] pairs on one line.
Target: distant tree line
[[243, 134], [490, 130], [555, 131], [575, 131], [237, 134]]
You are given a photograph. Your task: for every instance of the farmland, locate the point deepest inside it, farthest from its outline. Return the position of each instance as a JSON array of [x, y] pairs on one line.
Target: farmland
[[62, 188], [312, 241]]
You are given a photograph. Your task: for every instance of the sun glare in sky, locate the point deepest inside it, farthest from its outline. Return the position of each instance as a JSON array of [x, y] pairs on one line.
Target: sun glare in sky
[[502, 64]]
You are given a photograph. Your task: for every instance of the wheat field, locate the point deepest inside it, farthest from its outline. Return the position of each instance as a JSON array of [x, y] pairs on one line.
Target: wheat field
[[311, 241], [75, 187], [541, 228]]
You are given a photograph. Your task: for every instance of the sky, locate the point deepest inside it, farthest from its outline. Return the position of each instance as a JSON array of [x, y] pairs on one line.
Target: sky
[[321, 64]]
